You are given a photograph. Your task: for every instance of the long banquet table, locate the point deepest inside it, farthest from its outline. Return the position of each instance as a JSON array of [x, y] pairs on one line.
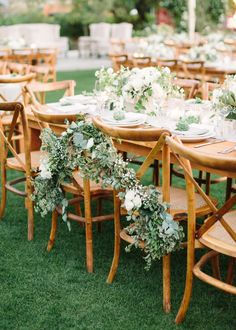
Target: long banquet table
[[143, 148]]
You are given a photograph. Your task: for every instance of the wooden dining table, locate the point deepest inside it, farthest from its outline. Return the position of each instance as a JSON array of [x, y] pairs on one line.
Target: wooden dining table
[[143, 148]]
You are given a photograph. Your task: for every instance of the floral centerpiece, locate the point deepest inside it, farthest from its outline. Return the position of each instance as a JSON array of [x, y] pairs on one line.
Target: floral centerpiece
[[206, 53], [224, 98], [82, 146], [140, 90]]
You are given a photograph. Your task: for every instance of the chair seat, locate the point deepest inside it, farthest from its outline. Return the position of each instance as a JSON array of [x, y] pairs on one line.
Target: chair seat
[[77, 187], [178, 201], [14, 164], [218, 239]]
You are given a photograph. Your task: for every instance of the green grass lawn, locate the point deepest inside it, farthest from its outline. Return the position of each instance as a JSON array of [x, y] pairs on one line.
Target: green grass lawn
[[40, 290]]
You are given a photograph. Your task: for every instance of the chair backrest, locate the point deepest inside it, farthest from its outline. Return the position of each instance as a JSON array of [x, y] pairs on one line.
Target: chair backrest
[[6, 138], [18, 68], [12, 87], [192, 68], [142, 61], [208, 88], [190, 86], [144, 135], [212, 161], [42, 72], [3, 67], [119, 60], [186, 156], [36, 92]]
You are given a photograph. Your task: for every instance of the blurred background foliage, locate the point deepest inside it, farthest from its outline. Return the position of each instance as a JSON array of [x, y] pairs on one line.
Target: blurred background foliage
[[141, 13]]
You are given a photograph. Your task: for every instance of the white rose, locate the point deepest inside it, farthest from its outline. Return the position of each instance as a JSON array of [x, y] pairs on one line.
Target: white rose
[[130, 195], [158, 91], [137, 84], [166, 70], [128, 205], [137, 201], [110, 71]]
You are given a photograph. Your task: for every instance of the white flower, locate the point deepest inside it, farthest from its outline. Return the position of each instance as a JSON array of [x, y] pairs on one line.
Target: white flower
[[44, 169], [217, 93], [109, 70], [137, 201], [128, 205], [130, 195], [158, 91], [232, 86], [90, 143], [166, 70]]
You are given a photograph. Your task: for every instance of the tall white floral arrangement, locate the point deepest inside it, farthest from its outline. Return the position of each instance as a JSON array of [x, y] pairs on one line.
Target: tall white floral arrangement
[[142, 89]]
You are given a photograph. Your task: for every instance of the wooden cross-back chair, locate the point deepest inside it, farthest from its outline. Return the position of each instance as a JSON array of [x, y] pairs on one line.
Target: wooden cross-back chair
[[218, 233], [190, 69], [18, 68], [82, 189], [6, 117], [39, 90], [170, 63], [175, 196], [48, 57], [119, 60], [191, 86], [41, 72], [208, 88], [141, 61], [23, 56], [24, 162]]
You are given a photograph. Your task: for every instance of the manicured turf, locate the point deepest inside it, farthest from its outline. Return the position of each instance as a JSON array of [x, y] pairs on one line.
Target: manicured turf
[[53, 291]]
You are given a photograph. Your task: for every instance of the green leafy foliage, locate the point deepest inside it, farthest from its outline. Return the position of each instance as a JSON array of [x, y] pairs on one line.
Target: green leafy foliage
[[82, 146], [184, 122]]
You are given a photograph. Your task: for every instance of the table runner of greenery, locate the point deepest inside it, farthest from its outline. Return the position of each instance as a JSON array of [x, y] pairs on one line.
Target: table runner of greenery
[[84, 147]]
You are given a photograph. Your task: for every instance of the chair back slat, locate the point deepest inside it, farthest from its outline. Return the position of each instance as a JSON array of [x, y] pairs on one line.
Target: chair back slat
[[6, 138], [181, 154]]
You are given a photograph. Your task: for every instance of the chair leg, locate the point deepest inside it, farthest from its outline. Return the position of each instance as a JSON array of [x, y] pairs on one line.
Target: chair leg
[[230, 273], [228, 188], [156, 173], [216, 267], [53, 230], [30, 207], [99, 212], [3, 190], [208, 183], [166, 284], [88, 226], [116, 255], [187, 292]]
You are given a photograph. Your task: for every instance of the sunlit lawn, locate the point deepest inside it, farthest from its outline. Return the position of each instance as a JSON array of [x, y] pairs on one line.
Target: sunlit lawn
[[53, 291]]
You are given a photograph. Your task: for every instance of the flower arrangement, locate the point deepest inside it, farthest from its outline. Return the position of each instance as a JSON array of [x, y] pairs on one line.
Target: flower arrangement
[[82, 146], [207, 53], [224, 98], [144, 89]]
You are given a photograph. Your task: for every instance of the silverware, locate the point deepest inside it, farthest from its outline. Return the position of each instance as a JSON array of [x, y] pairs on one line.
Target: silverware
[[208, 143], [227, 150]]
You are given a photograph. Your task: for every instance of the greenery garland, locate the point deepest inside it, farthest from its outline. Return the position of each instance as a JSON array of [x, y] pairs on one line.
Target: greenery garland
[[84, 147]]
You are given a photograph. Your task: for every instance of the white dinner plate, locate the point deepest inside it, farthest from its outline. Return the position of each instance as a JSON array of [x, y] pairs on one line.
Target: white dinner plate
[[131, 120], [74, 108], [80, 98], [196, 138]]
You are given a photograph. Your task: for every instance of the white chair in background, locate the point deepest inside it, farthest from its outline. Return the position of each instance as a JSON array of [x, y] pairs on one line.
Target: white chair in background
[[121, 33], [100, 34]]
